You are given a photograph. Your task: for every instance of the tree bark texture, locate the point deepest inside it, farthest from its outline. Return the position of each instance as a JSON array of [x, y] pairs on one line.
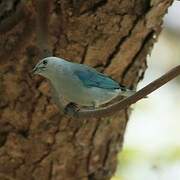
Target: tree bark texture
[[36, 141]]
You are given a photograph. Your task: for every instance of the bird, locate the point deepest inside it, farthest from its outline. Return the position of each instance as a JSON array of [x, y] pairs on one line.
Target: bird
[[79, 84]]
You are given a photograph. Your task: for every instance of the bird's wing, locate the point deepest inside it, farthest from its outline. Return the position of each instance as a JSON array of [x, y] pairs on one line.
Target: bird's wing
[[92, 78]]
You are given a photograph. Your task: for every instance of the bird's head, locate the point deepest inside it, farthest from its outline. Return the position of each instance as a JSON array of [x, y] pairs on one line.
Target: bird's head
[[47, 66], [42, 67]]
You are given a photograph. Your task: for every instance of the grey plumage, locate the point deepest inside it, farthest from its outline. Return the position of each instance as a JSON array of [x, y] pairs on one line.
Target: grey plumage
[[78, 83]]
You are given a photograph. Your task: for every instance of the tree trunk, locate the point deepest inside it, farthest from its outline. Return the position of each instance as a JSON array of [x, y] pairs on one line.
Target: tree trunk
[[36, 142]]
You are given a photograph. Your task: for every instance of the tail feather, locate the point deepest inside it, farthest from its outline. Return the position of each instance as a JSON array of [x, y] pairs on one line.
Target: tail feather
[[127, 92]]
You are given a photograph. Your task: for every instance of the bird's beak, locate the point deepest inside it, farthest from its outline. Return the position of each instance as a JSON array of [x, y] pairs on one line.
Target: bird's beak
[[34, 70]]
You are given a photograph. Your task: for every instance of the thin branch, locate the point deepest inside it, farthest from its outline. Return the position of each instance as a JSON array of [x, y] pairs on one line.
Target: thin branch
[[43, 8], [116, 107]]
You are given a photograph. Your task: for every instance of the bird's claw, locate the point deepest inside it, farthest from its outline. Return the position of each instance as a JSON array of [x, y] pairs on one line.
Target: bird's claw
[[71, 109]]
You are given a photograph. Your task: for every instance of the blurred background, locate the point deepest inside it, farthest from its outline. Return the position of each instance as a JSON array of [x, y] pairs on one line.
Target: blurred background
[[152, 141]]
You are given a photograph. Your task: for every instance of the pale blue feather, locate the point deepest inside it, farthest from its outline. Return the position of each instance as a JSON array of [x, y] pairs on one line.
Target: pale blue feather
[[92, 78]]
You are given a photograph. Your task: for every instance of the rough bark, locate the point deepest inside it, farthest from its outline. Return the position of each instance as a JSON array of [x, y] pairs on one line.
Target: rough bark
[[36, 142]]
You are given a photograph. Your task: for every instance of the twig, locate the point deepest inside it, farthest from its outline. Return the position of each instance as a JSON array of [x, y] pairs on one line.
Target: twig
[[116, 107], [42, 19]]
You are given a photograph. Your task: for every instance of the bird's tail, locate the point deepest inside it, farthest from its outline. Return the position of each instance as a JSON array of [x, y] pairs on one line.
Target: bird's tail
[[127, 92]]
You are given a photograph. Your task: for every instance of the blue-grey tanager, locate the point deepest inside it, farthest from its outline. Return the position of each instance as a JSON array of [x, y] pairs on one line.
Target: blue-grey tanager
[[79, 83]]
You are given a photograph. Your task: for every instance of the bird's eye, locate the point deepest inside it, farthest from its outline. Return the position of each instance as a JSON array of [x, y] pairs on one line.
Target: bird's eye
[[45, 62]]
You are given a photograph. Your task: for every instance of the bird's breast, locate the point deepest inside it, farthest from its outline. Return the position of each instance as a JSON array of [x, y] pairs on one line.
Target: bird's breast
[[70, 87]]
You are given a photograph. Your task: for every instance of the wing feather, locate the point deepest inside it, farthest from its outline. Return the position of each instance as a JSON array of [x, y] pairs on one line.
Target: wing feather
[[92, 78]]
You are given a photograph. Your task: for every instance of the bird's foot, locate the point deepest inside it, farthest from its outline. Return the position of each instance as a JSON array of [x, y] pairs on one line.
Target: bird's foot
[[71, 109]]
